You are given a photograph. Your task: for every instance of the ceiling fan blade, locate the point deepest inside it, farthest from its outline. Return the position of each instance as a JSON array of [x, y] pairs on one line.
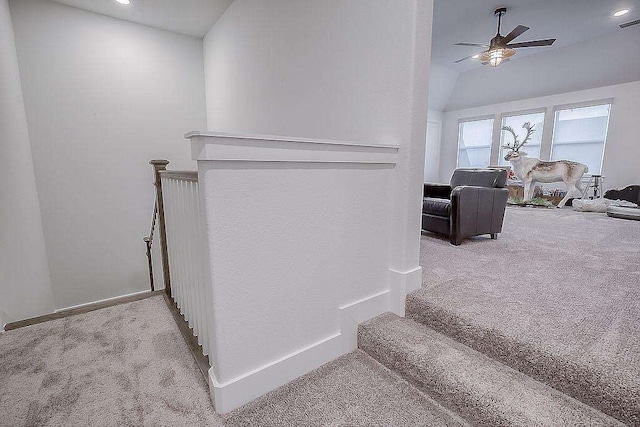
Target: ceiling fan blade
[[462, 59], [535, 43], [466, 57], [517, 31], [630, 24], [471, 44]]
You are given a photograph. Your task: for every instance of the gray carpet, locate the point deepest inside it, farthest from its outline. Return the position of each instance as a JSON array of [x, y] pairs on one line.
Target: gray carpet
[[128, 365], [125, 365], [557, 296], [482, 390], [353, 390]]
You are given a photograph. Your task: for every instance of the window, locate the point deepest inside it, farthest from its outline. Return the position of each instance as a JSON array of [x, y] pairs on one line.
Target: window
[[474, 143], [580, 134], [532, 147]]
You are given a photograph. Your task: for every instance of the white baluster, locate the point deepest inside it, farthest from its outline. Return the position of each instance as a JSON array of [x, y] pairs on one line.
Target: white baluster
[[175, 224], [189, 255], [194, 263], [196, 260], [204, 338], [182, 256], [186, 250], [168, 207]]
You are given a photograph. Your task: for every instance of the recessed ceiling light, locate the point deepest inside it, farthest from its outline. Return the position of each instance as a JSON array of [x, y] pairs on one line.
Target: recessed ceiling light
[[476, 56], [124, 1], [621, 12]]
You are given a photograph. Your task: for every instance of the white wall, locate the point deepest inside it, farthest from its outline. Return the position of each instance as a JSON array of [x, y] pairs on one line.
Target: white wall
[[434, 142], [442, 82], [603, 61], [333, 70], [620, 165], [102, 96], [289, 68], [25, 288]]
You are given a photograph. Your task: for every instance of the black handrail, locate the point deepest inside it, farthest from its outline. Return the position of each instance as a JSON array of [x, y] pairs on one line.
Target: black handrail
[[149, 241]]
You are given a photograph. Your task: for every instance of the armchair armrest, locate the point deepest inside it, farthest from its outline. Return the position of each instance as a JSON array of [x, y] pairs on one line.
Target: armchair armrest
[[477, 210], [438, 191]]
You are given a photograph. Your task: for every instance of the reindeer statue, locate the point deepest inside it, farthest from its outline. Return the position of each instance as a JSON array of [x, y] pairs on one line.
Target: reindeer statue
[[532, 171]]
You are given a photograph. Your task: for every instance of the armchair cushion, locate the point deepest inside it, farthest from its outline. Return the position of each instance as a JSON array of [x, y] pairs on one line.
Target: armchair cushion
[[438, 207], [489, 178], [441, 191]]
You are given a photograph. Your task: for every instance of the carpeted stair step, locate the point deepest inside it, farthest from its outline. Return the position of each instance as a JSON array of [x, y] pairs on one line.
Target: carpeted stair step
[[353, 390], [603, 379], [478, 388]]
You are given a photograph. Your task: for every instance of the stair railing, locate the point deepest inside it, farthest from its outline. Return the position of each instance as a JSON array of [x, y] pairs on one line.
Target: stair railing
[[177, 215], [158, 166], [148, 240]]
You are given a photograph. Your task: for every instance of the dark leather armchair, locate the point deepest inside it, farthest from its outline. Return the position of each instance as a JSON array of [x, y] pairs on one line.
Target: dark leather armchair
[[473, 204]]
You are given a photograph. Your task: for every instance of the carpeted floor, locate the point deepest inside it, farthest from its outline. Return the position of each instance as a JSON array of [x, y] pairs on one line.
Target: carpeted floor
[[482, 390], [353, 390], [125, 365], [557, 296], [128, 365]]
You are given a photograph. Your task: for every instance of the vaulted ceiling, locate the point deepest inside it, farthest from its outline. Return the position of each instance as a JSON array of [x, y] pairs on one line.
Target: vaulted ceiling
[[570, 21], [190, 17]]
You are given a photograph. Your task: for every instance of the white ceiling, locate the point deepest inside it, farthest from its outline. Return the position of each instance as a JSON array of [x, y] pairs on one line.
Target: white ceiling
[[190, 17], [569, 21]]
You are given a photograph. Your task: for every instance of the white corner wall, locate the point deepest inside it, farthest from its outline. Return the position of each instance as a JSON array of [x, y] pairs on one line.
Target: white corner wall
[[620, 163], [334, 237], [25, 288], [312, 69], [103, 96], [442, 82]]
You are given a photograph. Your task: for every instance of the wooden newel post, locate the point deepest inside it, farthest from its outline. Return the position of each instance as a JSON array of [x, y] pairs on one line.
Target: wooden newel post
[[160, 165]]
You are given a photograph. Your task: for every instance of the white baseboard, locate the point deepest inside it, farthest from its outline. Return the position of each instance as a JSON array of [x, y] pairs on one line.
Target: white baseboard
[[102, 300], [401, 284], [235, 393]]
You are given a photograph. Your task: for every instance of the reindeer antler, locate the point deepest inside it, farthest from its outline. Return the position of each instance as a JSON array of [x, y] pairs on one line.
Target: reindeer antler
[[516, 142], [515, 145], [530, 130]]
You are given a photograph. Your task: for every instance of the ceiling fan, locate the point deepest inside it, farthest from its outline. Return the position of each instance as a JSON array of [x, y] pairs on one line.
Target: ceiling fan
[[500, 48]]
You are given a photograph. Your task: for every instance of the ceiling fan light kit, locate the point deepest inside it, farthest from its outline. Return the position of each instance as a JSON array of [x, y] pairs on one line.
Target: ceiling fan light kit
[[499, 48], [496, 57]]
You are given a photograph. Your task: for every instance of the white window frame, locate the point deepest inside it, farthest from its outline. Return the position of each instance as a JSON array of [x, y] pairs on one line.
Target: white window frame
[[593, 103], [476, 119], [502, 116]]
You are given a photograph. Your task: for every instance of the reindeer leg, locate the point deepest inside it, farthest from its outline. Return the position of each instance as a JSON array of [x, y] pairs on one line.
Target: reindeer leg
[[581, 189], [532, 189], [571, 191], [528, 190]]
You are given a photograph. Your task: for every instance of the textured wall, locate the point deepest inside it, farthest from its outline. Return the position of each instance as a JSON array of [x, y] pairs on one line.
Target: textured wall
[[338, 70], [25, 288], [102, 96]]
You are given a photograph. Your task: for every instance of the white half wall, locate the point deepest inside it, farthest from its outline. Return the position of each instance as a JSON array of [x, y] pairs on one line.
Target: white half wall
[[620, 163], [103, 96], [25, 288], [346, 230]]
